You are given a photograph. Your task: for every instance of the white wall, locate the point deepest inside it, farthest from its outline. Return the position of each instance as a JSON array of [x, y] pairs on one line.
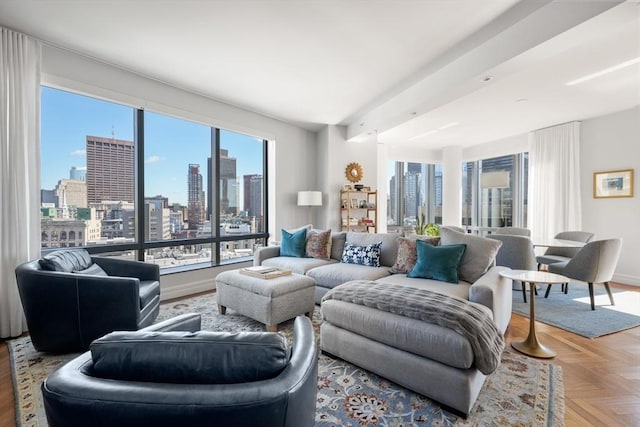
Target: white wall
[[612, 142], [291, 154], [336, 153]]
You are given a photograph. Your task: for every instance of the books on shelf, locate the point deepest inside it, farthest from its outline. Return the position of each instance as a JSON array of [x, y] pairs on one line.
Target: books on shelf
[[264, 272]]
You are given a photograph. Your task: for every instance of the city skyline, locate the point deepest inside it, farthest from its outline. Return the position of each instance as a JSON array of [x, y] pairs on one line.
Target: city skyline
[[171, 144]]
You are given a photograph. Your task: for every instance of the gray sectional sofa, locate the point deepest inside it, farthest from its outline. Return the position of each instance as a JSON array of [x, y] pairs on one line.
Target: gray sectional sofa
[[430, 359]]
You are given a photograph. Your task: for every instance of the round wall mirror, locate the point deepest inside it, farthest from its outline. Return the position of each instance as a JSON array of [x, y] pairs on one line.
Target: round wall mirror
[[353, 172]]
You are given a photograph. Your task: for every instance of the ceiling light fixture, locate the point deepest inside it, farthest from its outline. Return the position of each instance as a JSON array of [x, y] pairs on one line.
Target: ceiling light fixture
[[605, 71], [448, 125], [422, 135]]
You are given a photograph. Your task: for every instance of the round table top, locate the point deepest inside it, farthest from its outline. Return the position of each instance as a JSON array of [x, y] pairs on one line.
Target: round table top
[[532, 276], [559, 243]]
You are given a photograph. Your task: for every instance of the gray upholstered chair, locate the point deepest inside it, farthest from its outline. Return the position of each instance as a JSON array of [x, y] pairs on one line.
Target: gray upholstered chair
[[594, 263], [513, 231], [172, 375], [552, 255], [517, 253], [71, 298]]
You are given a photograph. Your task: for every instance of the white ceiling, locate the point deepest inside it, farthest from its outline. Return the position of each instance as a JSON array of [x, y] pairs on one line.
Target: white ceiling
[[382, 68]]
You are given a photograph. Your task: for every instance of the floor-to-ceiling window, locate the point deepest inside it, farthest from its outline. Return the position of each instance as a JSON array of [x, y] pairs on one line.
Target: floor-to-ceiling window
[[494, 192], [415, 189], [148, 186]]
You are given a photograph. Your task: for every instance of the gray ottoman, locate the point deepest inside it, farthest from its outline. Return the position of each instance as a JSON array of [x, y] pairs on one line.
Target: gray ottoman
[[269, 301]]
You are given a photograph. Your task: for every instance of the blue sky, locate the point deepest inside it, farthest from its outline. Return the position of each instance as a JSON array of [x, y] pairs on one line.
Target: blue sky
[[171, 144]]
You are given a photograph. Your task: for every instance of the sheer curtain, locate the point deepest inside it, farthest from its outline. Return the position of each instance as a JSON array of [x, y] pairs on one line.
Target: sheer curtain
[[19, 169], [554, 180]]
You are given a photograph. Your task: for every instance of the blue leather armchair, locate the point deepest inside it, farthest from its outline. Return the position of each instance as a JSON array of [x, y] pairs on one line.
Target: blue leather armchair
[[198, 379], [67, 310]]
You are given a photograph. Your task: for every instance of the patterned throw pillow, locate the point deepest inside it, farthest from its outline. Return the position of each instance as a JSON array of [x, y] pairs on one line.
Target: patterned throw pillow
[[368, 255], [407, 255], [318, 244]]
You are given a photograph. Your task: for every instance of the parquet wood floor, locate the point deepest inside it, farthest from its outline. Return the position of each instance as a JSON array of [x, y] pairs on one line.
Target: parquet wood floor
[[601, 376]]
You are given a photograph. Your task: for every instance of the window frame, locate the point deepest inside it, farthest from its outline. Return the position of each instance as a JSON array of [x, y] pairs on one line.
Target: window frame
[[140, 246]]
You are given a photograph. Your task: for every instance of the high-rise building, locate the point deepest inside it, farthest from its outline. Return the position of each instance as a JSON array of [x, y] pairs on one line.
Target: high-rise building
[[71, 192], [196, 203], [255, 207], [157, 222], [392, 206], [411, 193], [110, 169], [248, 204], [158, 201], [228, 184], [78, 173]]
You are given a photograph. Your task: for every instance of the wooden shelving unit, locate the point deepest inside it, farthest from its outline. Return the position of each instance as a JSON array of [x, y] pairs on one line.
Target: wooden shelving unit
[[358, 210]]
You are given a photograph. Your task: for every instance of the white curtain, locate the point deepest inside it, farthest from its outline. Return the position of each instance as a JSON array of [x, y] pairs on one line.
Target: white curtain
[[554, 181], [19, 169]]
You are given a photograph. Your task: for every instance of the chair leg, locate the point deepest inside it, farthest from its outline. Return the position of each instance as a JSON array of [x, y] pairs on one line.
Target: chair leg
[[546, 294], [593, 302], [535, 290], [606, 286], [565, 287], [524, 291], [539, 266]]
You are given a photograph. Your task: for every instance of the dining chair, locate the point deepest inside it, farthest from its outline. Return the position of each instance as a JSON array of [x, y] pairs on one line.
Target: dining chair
[[553, 255], [514, 231], [594, 263], [517, 253]]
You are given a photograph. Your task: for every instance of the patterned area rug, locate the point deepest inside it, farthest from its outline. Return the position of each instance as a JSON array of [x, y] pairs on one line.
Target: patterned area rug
[[521, 392]]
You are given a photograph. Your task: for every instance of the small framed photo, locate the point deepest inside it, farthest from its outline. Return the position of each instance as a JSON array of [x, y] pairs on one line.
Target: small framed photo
[[354, 204], [610, 184], [346, 187], [366, 189], [344, 204]]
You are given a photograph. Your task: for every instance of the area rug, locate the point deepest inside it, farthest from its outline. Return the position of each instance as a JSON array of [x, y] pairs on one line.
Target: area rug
[[572, 312], [521, 392]]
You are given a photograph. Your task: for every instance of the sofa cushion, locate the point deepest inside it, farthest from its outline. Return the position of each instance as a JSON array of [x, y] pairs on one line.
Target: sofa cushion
[[149, 289], [185, 357], [461, 290], [297, 265], [412, 335], [318, 244], [293, 244], [389, 247], [437, 262], [337, 245], [330, 276], [368, 255], [407, 254], [93, 270], [478, 257], [67, 260]]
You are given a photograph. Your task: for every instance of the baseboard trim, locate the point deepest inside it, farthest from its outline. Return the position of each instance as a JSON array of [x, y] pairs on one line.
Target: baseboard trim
[[185, 289], [626, 279]]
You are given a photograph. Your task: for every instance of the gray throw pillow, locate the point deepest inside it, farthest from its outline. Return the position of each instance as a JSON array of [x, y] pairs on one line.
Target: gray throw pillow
[[94, 270], [479, 256]]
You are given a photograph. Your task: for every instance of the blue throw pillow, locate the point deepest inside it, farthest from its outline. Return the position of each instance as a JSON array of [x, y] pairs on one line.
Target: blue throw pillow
[[438, 262], [293, 244], [364, 255]]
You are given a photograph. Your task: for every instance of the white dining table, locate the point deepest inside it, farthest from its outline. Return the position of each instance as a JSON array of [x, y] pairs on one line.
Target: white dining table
[[558, 243]]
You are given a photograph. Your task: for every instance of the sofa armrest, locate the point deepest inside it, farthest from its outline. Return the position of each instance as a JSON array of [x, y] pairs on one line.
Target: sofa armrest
[[127, 268], [494, 292], [265, 252]]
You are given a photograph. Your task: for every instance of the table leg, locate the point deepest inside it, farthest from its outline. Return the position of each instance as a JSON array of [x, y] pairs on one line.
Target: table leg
[[531, 346]]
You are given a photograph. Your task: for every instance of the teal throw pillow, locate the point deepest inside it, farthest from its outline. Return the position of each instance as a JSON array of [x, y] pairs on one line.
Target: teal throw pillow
[[293, 244], [437, 262]]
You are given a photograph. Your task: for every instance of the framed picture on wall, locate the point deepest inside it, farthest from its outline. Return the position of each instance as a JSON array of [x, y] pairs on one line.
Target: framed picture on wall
[[608, 184]]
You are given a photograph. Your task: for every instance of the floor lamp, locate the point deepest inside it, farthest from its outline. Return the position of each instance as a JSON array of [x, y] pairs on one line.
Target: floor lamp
[[308, 199]]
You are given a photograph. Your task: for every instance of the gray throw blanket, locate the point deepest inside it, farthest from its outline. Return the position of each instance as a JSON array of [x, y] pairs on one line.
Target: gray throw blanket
[[460, 315]]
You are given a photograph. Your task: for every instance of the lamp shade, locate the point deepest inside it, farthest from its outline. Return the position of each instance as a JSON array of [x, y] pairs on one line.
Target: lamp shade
[[499, 179], [309, 198]]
